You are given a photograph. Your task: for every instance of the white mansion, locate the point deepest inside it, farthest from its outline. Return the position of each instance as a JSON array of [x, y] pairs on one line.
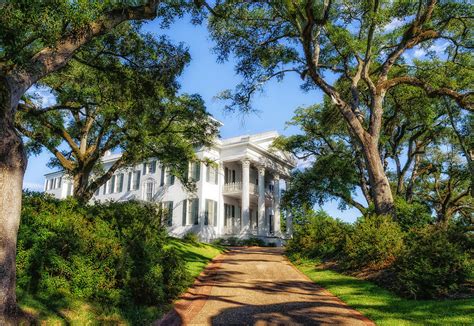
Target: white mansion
[[239, 196]]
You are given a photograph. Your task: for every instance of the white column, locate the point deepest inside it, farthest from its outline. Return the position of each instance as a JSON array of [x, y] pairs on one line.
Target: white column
[[261, 200], [245, 195], [220, 180], [276, 204]]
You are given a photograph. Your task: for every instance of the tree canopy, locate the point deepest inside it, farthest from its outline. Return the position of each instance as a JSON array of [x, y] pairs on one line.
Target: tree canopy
[[356, 53]]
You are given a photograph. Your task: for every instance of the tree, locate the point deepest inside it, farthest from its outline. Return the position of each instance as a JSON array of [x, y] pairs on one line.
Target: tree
[[118, 92], [422, 149], [349, 42], [36, 39]]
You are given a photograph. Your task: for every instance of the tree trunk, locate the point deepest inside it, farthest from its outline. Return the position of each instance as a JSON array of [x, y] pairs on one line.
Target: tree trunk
[[12, 168], [81, 189], [379, 185]]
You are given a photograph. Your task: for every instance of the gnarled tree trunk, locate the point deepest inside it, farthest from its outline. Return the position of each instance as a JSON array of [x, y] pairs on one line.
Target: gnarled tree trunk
[[379, 184], [12, 168]]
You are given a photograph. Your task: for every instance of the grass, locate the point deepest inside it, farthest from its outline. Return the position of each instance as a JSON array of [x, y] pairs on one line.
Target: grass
[[196, 255], [72, 311], [384, 307]]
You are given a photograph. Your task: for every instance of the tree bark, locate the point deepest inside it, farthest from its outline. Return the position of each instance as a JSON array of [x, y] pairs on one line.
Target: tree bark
[[379, 185], [12, 168]]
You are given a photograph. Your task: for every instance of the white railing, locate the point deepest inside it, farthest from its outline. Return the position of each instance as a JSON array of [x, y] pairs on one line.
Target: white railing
[[233, 187]]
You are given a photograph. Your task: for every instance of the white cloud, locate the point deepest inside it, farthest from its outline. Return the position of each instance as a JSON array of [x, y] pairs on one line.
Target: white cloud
[[419, 53], [32, 186], [394, 24], [304, 163]]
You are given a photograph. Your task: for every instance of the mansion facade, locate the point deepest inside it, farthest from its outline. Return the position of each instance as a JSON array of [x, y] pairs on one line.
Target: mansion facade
[[238, 196]]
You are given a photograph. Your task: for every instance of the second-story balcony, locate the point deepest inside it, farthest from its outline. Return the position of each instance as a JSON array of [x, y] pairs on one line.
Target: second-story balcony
[[236, 188]]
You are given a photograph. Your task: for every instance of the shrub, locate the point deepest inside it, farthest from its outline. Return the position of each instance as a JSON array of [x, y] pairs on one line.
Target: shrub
[[375, 242], [191, 237], [431, 265], [253, 242], [320, 237], [112, 253], [412, 215]]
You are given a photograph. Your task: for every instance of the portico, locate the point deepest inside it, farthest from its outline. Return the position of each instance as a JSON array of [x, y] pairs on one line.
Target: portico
[[252, 191]]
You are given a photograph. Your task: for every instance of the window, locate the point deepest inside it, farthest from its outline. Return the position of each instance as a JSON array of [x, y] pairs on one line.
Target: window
[[104, 190], [195, 171], [149, 190], [60, 181], [120, 182], [169, 178], [229, 212], [211, 175], [152, 167], [193, 211], [144, 168], [168, 213], [230, 175], [136, 180], [112, 184], [210, 215]]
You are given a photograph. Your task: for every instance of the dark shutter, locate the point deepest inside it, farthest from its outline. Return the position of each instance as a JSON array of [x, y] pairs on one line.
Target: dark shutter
[[185, 204], [215, 213]]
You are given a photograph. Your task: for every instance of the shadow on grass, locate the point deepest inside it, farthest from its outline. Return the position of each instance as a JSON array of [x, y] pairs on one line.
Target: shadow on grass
[[386, 307]]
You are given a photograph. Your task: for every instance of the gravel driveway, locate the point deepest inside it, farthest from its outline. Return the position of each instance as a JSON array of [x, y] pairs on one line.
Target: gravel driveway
[[258, 286]]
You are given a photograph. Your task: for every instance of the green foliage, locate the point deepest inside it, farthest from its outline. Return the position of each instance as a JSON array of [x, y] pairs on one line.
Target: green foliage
[[320, 237], [375, 242], [411, 215], [118, 93], [253, 242], [434, 264], [115, 254], [191, 237]]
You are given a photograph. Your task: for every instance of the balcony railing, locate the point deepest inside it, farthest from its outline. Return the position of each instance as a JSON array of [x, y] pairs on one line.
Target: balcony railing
[[236, 187], [232, 187]]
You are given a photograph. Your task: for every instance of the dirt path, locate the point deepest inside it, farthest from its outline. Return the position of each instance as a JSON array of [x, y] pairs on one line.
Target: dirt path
[[258, 286]]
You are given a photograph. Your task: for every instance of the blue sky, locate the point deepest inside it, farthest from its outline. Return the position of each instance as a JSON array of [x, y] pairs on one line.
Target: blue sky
[[206, 77]]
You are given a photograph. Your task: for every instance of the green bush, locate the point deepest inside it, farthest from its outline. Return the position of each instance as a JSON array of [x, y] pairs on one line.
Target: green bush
[[375, 242], [320, 237], [412, 215], [431, 265], [253, 242], [113, 253], [191, 237]]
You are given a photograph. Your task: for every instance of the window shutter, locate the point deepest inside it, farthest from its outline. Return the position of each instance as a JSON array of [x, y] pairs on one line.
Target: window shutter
[[215, 214], [206, 213], [197, 171], [185, 204], [226, 175], [144, 168], [170, 213], [120, 182], [162, 177], [195, 211]]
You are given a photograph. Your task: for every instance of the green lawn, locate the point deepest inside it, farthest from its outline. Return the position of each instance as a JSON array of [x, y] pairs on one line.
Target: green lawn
[[197, 255], [384, 307], [79, 312]]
